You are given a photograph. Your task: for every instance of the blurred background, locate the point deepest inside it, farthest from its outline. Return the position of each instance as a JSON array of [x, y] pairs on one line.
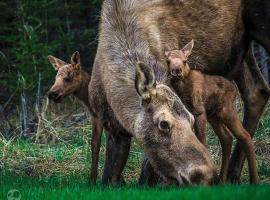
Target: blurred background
[[30, 30], [38, 137]]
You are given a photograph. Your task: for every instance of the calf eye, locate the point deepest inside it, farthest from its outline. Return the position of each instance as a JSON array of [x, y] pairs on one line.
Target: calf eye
[[164, 126], [67, 79]]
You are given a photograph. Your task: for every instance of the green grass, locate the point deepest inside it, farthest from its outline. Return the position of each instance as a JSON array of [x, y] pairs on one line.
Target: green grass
[[76, 188], [57, 165]]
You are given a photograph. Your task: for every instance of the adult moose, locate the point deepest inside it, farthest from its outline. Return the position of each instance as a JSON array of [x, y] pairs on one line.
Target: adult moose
[[222, 35], [129, 95]]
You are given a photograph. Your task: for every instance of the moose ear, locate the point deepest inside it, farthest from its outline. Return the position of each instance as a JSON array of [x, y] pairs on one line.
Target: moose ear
[[167, 54], [56, 63], [145, 80], [76, 59], [188, 48]]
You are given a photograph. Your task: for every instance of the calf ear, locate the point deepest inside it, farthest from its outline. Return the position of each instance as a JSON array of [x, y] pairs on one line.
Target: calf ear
[[188, 48], [145, 80], [56, 63], [76, 59], [167, 54]]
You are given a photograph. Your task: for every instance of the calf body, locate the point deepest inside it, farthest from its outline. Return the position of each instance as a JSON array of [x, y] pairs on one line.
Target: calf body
[[71, 79], [211, 98]]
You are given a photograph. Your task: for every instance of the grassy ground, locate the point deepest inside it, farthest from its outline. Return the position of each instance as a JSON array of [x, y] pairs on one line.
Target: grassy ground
[[73, 188], [54, 163]]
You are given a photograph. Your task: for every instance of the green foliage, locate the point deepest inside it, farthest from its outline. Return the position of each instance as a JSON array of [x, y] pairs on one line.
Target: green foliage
[[33, 29]]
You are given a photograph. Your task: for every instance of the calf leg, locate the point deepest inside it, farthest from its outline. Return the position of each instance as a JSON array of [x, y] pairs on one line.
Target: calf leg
[[225, 139], [255, 94], [199, 126], [231, 120], [95, 148]]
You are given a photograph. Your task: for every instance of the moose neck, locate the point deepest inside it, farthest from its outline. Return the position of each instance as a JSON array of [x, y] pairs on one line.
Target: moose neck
[[82, 94], [124, 43]]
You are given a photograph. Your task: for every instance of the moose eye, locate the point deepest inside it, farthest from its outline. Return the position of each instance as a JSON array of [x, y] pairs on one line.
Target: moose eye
[[164, 126], [67, 79]]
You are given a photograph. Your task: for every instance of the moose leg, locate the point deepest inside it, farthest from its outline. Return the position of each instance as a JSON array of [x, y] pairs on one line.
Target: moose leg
[[121, 154], [117, 151], [255, 94], [148, 176], [232, 121], [225, 139], [95, 148], [107, 174]]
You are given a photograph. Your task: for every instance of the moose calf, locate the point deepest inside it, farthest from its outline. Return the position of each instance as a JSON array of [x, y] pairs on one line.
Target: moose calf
[[211, 98], [72, 79]]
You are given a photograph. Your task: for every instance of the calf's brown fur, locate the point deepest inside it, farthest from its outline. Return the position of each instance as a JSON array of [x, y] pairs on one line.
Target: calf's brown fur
[[71, 79], [211, 98]]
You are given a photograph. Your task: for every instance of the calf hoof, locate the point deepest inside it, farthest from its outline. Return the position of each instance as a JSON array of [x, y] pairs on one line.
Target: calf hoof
[[254, 180]]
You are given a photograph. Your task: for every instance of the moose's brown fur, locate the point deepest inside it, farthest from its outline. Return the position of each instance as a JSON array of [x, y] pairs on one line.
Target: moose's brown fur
[[124, 107], [222, 40], [211, 98], [71, 79]]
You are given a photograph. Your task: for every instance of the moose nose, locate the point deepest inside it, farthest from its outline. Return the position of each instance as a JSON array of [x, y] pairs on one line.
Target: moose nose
[[200, 177], [52, 95], [176, 72]]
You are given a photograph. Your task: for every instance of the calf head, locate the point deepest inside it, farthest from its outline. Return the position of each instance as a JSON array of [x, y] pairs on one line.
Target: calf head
[[68, 79], [164, 130], [177, 60]]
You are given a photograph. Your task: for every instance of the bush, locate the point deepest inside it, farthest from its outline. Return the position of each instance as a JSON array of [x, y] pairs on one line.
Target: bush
[[33, 29]]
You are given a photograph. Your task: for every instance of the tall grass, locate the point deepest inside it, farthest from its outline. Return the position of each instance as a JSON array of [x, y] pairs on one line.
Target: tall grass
[[59, 145]]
